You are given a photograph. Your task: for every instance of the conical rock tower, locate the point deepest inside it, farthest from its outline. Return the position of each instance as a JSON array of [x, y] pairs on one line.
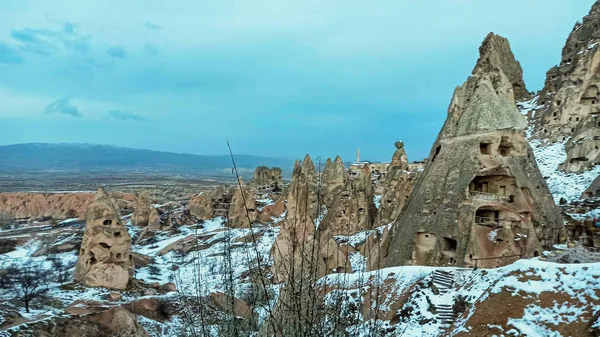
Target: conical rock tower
[[481, 199], [105, 258]]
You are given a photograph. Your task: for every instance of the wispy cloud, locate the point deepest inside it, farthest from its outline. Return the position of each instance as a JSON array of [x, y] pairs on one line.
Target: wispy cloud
[[9, 55], [151, 25], [116, 52], [34, 40], [125, 116], [63, 106], [46, 41]]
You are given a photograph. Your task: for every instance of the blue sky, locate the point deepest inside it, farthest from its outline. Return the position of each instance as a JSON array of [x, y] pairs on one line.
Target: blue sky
[[277, 78]]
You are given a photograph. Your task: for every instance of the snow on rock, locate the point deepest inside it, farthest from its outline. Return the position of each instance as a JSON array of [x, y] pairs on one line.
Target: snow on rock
[[377, 200], [569, 186], [527, 284]]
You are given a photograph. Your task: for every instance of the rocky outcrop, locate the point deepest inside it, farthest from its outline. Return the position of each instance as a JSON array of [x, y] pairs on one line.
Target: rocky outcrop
[[496, 57], [54, 205], [481, 199], [399, 159], [353, 209], [333, 180], [243, 207], [212, 203], [300, 250], [105, 258], [569, 104], [267, 180], [397, 187], [593, 191], [145, 215]]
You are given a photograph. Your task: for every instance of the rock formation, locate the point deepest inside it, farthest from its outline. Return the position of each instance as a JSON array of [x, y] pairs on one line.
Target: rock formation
[[267, 180], [210, 204], [569, 104], [105, 258], [481, 199], [241, 216], [399, 159], [397, 187], [54, 205], [593, 191], [145, 215], [353, 209], [333, 180], [299, 240]]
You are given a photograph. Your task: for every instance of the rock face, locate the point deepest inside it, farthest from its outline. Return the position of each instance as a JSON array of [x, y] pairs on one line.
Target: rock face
[[593, 191], [105, 258], [145, 214], [241, 216], [266, 179], [397, 187], [55, 205], [495, 54], [399, 159], [333, 179], [210, 204], [569, 105], [299, 240], [481, 199], [353, 209]]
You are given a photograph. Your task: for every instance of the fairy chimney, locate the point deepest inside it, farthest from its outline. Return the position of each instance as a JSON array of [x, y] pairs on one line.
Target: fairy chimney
[[145, 215], [105, 258], [481, 199]]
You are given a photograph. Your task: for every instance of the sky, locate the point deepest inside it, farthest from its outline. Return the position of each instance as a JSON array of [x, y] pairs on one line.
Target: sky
[[277, 78]]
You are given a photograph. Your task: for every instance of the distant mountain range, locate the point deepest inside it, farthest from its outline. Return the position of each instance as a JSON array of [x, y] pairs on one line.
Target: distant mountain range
[[36, 157]]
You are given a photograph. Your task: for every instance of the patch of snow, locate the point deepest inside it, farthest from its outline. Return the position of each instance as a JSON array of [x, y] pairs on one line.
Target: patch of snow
[[569, 186], [377, 200]]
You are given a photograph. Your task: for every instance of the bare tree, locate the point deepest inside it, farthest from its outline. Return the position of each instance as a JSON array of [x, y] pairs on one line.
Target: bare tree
[[29, 281]]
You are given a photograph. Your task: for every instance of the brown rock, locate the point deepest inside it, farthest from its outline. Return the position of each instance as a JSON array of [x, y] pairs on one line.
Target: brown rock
[[119, 321], [570, 100], [267, 180], [353, 209], [145, 214], [333, 179], [54, 205], [223, 301], [105, 258], [481, 195], [169, 287], [114, 297], [240, 216]]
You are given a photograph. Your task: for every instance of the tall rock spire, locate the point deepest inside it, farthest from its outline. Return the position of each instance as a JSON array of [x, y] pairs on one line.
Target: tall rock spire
[[481, 197], [105, 258]]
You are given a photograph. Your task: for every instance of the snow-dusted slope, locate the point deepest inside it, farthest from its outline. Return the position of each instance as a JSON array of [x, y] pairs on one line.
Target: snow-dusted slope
[[528, 298], [568, 186]]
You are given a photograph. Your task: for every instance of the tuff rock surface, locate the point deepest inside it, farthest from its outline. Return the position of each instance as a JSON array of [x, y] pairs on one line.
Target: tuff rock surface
[[145, 215], [243, 206], [397, 187], [569, 104], [481, 199], [105, 258]]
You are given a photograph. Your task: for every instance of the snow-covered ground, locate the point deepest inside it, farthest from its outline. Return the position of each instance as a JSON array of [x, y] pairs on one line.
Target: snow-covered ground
[[525, 281]]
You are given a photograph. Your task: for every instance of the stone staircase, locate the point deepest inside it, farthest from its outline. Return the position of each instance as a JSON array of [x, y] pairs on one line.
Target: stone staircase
[[444, 281]]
